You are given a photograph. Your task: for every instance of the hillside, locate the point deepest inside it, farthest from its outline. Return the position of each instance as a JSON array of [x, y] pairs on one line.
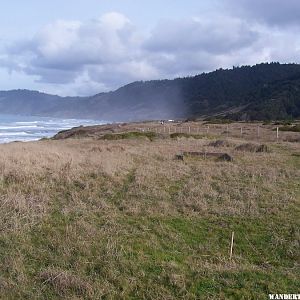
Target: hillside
[[264, 91]]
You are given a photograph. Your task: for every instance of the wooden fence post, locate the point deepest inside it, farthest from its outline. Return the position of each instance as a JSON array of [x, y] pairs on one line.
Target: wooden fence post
[[231, 246]]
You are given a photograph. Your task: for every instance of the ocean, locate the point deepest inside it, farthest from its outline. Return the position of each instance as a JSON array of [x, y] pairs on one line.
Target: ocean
[[29, 128]]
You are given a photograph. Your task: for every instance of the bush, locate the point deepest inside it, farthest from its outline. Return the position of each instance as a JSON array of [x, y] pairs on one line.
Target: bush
[[128, 135], [218, 121], [185, 135], [294, 128], [283, 123]]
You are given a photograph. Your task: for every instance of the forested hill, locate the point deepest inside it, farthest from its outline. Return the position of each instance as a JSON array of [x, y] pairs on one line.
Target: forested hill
[[264, 91]]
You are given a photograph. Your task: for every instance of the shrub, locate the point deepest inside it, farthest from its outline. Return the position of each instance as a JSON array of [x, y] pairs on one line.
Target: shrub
[[294, 128], [128, 135]]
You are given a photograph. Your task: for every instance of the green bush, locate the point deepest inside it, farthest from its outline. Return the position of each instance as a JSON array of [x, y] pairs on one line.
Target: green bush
[[185, 135], [129, 135], [217, 121], [294, 128]]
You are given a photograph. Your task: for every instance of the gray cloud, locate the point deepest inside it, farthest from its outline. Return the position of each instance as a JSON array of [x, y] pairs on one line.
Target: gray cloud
[[60, 52], [215, 36], [197, 45], [273, 12], [71, 57]]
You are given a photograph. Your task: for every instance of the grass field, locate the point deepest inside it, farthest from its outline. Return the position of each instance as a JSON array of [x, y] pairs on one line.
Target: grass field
[[120, 218]]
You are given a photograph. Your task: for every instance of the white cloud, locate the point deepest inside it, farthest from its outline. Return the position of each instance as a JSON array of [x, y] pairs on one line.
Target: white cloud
[[71, 57], [62, 52]]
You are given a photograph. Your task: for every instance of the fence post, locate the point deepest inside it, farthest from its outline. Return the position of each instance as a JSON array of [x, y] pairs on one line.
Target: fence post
[[277, 133], [231, 245]]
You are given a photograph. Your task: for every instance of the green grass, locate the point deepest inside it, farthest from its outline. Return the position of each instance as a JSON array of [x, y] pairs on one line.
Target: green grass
[[146, 257], [128, 135]]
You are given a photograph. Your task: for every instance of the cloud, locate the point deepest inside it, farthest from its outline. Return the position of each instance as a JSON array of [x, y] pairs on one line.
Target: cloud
[[63, 51], [82, 58], [215, 36], [197, 44], [272, 12]]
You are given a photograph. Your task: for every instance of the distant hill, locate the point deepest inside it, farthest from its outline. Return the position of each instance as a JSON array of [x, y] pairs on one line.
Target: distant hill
[[261, 92]]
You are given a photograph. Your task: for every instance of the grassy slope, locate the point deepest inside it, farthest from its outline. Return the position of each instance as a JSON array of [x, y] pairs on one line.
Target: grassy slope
[[121, 219]]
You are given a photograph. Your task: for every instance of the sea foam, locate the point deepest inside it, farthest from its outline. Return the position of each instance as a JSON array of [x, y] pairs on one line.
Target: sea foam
[[28, 128]]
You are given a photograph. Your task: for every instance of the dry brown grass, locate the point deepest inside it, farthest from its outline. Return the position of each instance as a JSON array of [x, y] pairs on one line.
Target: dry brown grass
[[87, 218], [33, 173], [64, 283]]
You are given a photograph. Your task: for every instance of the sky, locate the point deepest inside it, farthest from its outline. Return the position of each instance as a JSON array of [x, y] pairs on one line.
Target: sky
[[85, 47]]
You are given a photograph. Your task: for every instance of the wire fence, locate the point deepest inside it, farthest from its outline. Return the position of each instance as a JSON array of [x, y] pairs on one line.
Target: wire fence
[[245, 131]]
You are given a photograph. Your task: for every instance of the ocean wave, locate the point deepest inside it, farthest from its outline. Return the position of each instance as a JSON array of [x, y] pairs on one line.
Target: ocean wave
[[18, 128], [27, 122], [14, 133]]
